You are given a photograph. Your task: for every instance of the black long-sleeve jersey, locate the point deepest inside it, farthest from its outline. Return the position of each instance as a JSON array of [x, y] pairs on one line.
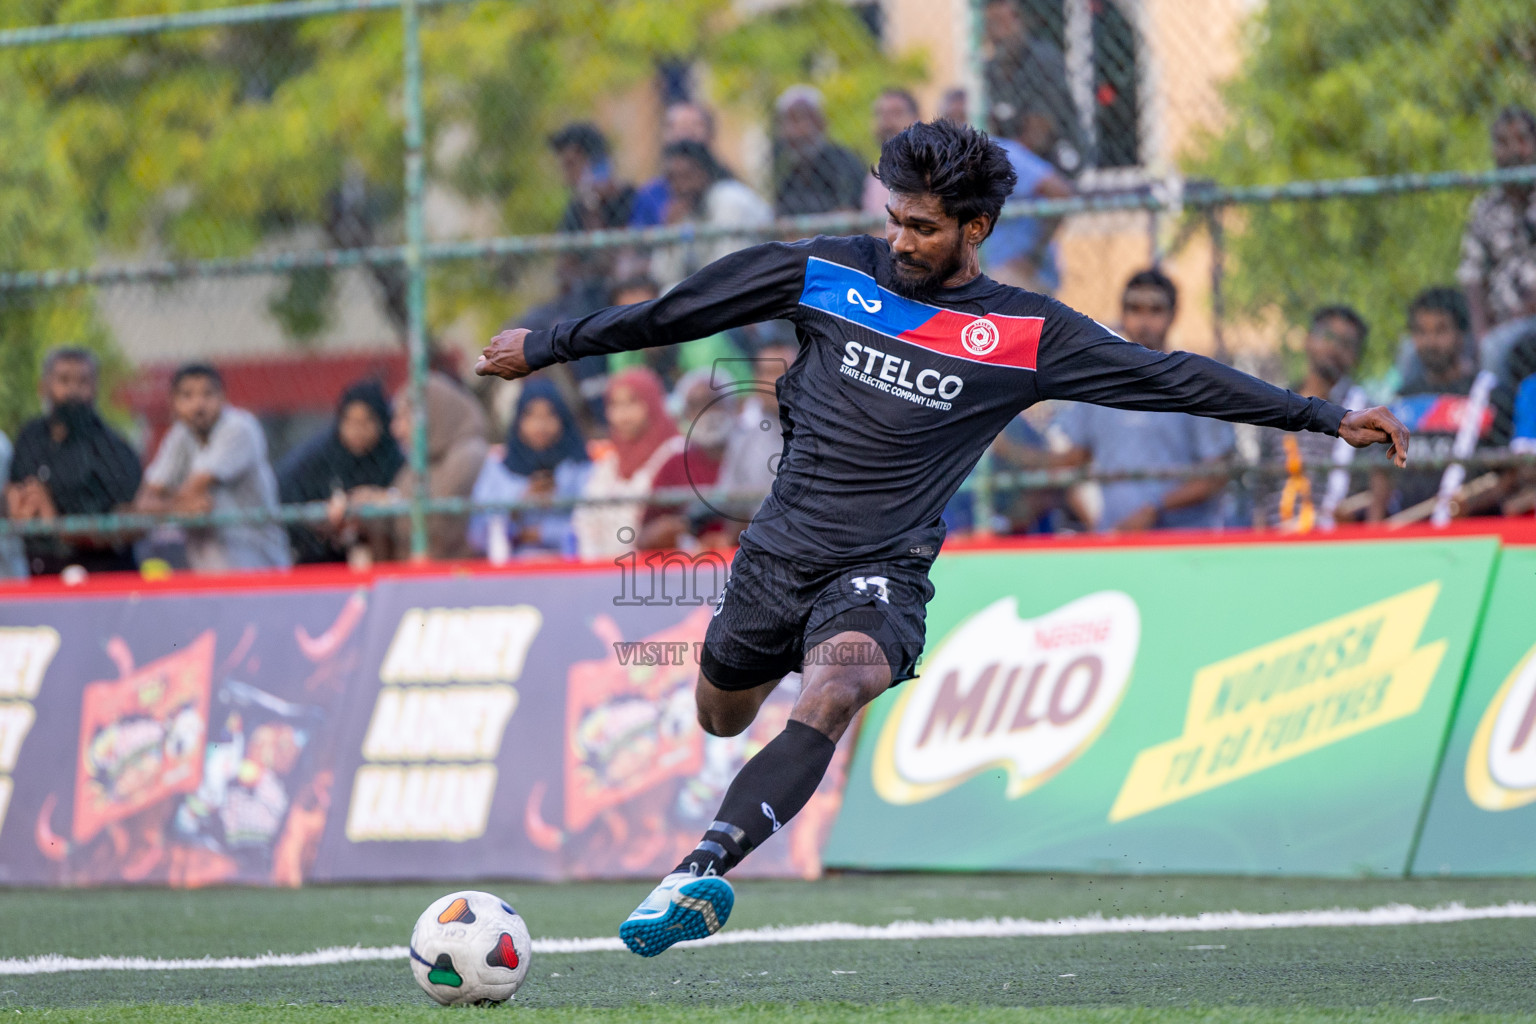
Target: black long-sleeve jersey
[[891, 401]]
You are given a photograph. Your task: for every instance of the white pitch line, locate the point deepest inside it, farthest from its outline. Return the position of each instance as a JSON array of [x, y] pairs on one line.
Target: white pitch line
[[984, 928]]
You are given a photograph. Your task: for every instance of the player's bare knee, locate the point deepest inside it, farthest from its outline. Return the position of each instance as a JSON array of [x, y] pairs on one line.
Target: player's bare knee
[[722, 724], [833, 696]]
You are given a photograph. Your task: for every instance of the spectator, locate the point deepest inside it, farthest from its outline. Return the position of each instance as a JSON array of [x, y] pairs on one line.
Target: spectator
[[953, 107], [642, 438], [545, 460], [669, 362], [750, 462], [68, 462], [704, 193], [1514, 422], [708, 416], [1335, 341], [1020, 251], [1430, 403], [682, 122], [357, 451], [895, 109], [214, 459], [13, 561], [1028, 73], [812, 174], [456, 449], [1118, 440], [1498, 248], [598, 199]]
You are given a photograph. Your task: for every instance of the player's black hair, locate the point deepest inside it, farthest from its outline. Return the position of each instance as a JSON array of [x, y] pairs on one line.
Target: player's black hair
[[1154, 278], [691, 149], [187, 370], [1516, 114], [583, 135], [1349, 315], [1449, 301], [968, 172], [903, 95]]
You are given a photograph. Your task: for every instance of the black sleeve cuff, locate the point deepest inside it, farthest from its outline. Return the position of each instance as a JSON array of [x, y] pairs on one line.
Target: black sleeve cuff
[[1326, 417], [539, 349]]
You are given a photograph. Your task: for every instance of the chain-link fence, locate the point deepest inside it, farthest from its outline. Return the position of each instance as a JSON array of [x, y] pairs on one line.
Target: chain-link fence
[[324, 200]]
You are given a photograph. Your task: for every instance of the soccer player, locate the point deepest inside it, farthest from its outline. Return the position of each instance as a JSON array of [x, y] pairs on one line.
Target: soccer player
[[910, 362]]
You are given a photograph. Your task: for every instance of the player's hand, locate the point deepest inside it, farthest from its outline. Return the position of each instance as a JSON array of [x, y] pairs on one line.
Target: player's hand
[[503, 357], [1377, 425]]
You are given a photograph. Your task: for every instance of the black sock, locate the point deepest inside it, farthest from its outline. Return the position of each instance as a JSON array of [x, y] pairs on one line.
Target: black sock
[[769, 790]]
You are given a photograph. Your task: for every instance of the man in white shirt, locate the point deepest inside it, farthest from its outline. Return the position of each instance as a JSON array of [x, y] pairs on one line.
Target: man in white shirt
[[214, 459]]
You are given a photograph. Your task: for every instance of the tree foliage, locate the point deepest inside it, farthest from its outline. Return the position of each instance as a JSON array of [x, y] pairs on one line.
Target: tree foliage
[[207, 143], [1333, 89]]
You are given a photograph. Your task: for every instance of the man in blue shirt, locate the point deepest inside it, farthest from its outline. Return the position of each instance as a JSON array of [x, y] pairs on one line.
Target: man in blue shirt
[[1020, 251], [683, 122], [1117, 440]]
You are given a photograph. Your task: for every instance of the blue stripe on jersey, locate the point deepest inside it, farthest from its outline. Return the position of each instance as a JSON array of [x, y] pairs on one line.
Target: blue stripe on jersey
[[854, 295]]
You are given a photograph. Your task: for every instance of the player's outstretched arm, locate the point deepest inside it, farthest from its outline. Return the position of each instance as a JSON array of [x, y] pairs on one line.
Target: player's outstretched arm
[[1376, 425]]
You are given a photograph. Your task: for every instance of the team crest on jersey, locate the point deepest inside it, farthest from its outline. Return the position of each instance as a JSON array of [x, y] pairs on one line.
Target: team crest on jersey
[[979, 337]]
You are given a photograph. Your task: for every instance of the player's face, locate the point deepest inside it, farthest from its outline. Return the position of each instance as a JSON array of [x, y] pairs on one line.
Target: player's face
[[1513, 144], [1436, 340], [927, 244], [359, 428], [1331, 348], [539, 425], [1145, 317], [197, 402], [627, 415]]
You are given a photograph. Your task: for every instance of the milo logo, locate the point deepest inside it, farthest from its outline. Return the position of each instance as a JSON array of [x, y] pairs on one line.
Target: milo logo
[[1026, 695], [1501, 765]]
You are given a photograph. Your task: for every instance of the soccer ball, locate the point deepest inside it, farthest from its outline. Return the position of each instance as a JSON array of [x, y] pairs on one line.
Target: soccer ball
[[470, 947]]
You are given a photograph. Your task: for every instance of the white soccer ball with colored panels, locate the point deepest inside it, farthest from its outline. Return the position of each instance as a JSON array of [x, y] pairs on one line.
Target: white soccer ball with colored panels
[[470, 947]]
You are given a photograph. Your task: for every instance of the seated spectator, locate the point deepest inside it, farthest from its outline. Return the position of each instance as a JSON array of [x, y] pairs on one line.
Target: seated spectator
[[1021, 251], [811, 173], [642, 437], [214, 459], [13, 560], [682, 122], [598, 199], [1514, 422], [953, 106], [703, 193], [456, 448], [708, 417], [669, 362], [1028, 72], [1118, 440], [1335, 341], [750, 462], [545, 459], [895, 110], [68, 462], [1432, 402], [1498, 248], [357, 451]]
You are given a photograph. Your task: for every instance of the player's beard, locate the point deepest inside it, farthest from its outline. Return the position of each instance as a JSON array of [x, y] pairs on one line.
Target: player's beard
[[920, 280]]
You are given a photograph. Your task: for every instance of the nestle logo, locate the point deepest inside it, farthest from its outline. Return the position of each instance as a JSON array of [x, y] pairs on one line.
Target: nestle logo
[[1073, 634]]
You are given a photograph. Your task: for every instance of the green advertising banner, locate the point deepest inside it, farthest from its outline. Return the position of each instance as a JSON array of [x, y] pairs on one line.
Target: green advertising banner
[[1224, 708], [1482, 819]]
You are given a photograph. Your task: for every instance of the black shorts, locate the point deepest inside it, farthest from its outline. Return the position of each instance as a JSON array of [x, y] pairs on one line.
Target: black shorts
[[772, 611]]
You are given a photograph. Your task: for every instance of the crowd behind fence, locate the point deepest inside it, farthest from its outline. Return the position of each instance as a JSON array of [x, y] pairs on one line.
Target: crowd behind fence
[[249, 333]]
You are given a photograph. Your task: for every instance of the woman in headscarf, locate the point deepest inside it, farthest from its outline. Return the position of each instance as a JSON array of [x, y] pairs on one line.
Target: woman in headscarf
[[642, 437], [456, 449], [358, 451], [546, 459]]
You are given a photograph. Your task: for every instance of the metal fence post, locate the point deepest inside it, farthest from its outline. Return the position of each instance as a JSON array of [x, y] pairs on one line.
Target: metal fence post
[[415, 269]]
